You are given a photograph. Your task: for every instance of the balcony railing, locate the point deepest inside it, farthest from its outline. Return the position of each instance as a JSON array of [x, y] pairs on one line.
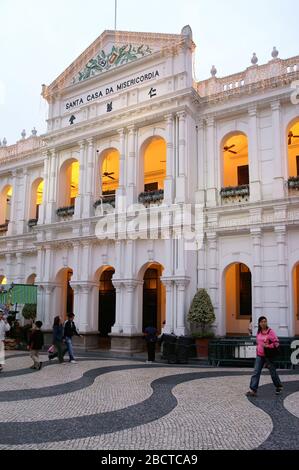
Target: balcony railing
[[151, 197], [105, 199], [293, 183], [235, 194], [32, 222], [3, 229], [65, 211]]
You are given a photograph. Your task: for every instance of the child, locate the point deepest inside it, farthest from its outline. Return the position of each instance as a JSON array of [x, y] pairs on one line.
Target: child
[[36, 343]]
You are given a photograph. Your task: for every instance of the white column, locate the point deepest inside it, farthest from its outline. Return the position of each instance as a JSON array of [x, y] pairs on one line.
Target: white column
[[78, 311], [213, 279], [85, 308], [49, 313], [201, 187], [129, 314], [131, 193], [180, 329], [122, 161], [282, 285], [13, 208], [52, 203], [201, 266], [169, 184], [181, 187], [277, 129], [170, 320], [211, 163], [117, 327], [253, 156], [89, 189], [8, 273], [19, 278], [256, 238], [24, 203], [80, 197], [43, 206]]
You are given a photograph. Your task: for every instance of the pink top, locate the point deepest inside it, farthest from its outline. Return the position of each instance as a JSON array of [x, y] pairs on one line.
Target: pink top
[[266, 337]]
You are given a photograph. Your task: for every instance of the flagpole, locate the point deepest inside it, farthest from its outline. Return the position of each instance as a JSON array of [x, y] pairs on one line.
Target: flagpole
[[115, 15]]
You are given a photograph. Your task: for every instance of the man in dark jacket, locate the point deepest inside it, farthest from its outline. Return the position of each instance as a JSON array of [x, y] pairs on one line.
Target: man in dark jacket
[[69, 331], [150, 334], [36, 343]]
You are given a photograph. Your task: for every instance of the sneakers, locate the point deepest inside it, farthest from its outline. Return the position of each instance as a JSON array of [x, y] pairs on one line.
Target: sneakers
[[73, 361], [278, 390], [149, 362], [251, 393]]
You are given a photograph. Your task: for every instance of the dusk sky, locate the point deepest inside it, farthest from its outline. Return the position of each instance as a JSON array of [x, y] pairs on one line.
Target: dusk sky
[[39, 39]]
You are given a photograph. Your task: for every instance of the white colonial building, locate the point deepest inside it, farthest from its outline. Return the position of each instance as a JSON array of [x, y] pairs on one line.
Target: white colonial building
[[128, 124]]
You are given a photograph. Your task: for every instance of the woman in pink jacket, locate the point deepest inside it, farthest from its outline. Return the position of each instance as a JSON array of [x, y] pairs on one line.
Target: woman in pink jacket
[[266, 338]]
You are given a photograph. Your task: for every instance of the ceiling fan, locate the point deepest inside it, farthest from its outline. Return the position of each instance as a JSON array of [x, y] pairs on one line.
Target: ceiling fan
[[228, 149], [108, 175], [292, 136]]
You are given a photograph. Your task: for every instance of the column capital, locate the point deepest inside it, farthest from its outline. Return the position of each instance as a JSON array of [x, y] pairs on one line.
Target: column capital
[[82, 144], [169, 118], [182, 115], [252, 110], [200, 123], [210, 120], [90, 141], [121, 131], [182, 282], [275, 105], [132, 129], [52, 152]]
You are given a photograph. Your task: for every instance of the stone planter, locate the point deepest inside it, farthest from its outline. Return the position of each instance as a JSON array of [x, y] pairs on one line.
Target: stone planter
[[202, 347]]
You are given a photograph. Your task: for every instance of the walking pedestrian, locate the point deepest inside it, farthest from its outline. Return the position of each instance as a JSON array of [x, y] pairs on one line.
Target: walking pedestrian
[[58, 340], [266, 341], [36, 343], [70, 330], [150, 334], [4, 328]]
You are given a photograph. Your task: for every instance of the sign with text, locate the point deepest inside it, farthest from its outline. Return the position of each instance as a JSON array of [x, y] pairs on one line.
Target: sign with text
[[108, 90]]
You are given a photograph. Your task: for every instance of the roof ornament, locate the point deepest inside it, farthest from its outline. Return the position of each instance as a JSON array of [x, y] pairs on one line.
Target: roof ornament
[[187, 31], [34, 132], [23, 134], [254, 59], [4, 142], [213, 71], [275, 53]]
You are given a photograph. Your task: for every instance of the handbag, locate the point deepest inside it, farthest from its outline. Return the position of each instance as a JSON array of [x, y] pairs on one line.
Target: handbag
[[272, 353]]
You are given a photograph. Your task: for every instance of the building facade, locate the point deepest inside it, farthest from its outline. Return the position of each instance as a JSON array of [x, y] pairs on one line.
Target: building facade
[[92, 211]]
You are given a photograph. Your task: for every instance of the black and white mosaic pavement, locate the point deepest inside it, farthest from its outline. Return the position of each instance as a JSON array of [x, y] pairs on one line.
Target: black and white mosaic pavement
[[123, 404]]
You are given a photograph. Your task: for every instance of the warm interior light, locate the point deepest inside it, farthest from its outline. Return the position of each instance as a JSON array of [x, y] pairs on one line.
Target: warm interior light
[[155, 163], [39, 193], [293, 149], [110, 172], [74, 179], [4, 281], [235, 160]]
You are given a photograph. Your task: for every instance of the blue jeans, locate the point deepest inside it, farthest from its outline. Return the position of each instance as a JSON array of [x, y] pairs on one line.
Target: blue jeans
[[258, 367], [69, 345]]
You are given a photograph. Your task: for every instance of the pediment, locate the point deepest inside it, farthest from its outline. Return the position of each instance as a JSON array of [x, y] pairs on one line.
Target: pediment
[[111, 50]]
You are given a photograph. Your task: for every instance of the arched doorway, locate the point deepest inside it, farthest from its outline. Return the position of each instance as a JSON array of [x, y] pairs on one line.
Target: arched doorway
[[296, 297], [109, 175], [238, 299], [65, 293], [5, 205], [36, 198], [107, 302], [153, 310], [68, 183]]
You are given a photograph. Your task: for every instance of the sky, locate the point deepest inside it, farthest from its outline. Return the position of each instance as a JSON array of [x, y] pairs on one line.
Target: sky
[[39, 39]]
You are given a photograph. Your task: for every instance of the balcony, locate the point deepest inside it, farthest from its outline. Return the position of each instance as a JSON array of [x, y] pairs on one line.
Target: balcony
[[149, 198], [293, 184], [235, 194], [104, 203], [3, 229], [32, 223], [66, 212]]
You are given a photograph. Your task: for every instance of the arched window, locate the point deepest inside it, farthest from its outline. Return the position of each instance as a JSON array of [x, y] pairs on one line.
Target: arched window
[[110, 175], [154, 164], [36, 199], [5, 206], [235, 161], [68, 186], [293, 156], [238, 298]]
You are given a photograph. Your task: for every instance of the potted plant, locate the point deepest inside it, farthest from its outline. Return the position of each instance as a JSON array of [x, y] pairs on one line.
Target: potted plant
[[202, 316]]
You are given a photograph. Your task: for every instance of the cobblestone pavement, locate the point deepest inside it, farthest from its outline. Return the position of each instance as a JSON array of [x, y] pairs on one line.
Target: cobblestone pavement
[[114, 404]]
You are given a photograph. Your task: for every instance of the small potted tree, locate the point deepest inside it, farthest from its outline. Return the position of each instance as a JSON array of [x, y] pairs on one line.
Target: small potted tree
[[201, 315]]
